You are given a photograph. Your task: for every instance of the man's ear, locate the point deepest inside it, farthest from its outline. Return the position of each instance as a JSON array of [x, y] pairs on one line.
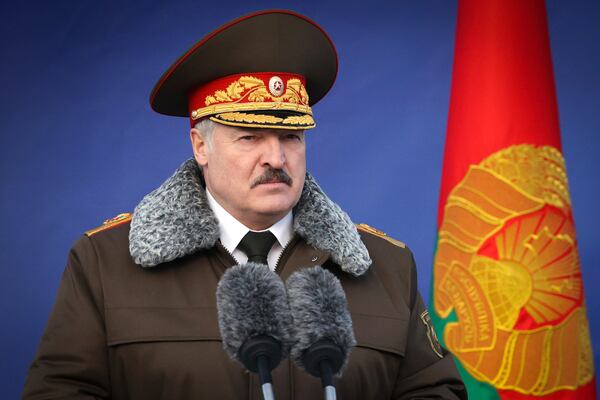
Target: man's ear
[[199, 146]]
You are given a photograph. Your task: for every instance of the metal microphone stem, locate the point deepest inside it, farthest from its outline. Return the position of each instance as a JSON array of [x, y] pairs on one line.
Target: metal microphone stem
[[267, 391], [264, 375], [330, 393], [327, 380]]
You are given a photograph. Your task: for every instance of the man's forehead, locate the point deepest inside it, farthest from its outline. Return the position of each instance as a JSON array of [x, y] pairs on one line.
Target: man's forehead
[[240, 131]]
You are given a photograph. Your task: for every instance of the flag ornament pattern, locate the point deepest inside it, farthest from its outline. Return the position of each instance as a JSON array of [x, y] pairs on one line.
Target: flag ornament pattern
[[507, 265]]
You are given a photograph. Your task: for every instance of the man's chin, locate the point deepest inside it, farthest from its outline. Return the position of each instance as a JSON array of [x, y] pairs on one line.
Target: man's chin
[[275, 204]]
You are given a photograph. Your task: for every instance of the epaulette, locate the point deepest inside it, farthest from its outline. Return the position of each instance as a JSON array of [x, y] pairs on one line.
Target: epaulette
[[111, 223], [377, 232]]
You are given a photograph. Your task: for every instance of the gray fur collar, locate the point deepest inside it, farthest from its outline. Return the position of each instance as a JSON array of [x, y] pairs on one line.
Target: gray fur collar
[[175, 220]]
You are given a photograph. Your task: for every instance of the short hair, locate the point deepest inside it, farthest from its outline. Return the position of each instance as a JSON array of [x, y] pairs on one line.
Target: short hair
[[206, 128]]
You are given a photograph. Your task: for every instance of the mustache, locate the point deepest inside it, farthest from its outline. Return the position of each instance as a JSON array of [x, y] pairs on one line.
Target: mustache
[[272, 175]]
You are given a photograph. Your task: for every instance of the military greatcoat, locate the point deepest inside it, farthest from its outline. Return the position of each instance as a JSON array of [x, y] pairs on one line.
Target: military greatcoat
[[135, 316]]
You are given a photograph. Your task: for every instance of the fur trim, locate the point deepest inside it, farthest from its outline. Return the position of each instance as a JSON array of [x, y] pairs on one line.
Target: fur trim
[[176, 220], [324, 226]]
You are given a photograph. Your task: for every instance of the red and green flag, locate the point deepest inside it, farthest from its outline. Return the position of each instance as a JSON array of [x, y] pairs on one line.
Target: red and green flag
[[507, 296]]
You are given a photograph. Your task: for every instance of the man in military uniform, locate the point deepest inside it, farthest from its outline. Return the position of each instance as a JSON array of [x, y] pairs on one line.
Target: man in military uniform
[[135, 316]]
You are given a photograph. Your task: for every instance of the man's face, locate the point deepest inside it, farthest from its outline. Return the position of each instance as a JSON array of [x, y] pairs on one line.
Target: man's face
[[257, 175]]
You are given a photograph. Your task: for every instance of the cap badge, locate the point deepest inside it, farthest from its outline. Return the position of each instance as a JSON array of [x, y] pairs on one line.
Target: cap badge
[[276, 86]]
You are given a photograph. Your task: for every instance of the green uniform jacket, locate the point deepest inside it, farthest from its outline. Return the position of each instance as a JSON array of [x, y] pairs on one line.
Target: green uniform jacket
[[136, 318]]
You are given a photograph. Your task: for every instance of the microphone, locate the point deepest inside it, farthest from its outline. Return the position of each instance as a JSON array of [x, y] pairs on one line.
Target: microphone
[[322, 332], [254, 320]]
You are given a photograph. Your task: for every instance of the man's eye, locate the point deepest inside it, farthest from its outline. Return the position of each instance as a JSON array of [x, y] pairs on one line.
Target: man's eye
[[294, 136], [247, 138]]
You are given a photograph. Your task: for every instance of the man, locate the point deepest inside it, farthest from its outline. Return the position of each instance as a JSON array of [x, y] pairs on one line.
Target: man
[[135, 316]]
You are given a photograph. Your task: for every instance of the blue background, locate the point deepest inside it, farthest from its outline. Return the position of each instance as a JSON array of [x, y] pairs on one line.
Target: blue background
[[79, 142]]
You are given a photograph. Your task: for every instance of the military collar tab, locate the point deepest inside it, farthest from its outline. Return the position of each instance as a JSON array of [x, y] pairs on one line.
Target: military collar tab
[[176, 220]]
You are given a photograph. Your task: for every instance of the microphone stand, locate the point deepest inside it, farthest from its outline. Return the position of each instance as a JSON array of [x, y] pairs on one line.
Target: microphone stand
[[264, 374], [327, 380], [323, 359], [261, 354]]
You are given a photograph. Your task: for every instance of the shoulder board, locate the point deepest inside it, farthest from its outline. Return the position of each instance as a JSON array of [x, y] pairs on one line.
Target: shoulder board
[[377, 232], [110, 223]]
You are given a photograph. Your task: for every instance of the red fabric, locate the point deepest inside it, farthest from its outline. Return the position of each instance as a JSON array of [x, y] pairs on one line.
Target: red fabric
[[502, 85], [585, 392]]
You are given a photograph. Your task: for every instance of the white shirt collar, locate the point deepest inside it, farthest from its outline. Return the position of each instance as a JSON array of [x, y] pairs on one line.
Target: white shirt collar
[[283, 229], [232, 231]]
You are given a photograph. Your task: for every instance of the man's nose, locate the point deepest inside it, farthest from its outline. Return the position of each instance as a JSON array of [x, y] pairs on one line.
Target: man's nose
[[273, 153]]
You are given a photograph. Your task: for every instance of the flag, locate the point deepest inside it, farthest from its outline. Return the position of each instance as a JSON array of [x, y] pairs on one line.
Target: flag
[[507, 296]]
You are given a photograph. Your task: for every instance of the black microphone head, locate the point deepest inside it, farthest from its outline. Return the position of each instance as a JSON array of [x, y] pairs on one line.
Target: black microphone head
[[252, 304], [322, 324]]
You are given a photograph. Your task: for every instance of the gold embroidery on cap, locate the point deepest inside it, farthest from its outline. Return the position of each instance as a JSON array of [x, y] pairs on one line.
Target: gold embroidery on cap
[[267, 126], [299, 120], [234, 91], [266, 106], [257, 96], [250, 118], [265, 119], [256, 91]]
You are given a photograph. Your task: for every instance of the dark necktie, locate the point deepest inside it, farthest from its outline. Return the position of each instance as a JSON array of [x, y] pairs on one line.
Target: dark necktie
[[256, 246]]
